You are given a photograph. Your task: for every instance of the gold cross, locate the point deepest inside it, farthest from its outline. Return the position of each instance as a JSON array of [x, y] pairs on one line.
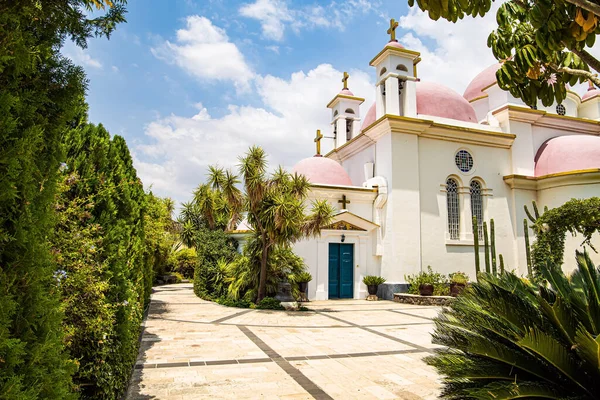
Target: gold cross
[[392, 30], [318, 141], [344, 202], [345, 80]]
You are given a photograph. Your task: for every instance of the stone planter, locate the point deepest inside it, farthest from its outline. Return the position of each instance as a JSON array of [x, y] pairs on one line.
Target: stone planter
[[426, 289], [456, 288], [372, 289], [302, 286]]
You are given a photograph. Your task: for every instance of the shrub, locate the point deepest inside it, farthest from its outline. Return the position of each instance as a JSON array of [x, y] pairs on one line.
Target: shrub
[[184, 262], [302, 277], [373, 280], [211, 246], [459, 277], [439, 282], [508, 338], [269, 303]]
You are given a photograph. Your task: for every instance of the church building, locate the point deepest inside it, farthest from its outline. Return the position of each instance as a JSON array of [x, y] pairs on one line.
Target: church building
[[408, 177]]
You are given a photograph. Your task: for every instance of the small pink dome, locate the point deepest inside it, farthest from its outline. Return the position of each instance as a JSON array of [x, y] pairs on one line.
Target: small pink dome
[[369, 117], [484, 79], [591, 92], [322, 170], [346, 92], [567, 153], [441, 101], [394, 44]]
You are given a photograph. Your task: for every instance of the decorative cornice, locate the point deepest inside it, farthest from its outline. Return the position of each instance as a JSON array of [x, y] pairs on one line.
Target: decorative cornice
[[545, 119], [344, 96], [391, 49], [569, 178]]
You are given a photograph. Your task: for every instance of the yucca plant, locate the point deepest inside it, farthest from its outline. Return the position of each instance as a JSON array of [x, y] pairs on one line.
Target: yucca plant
[[506, 338]]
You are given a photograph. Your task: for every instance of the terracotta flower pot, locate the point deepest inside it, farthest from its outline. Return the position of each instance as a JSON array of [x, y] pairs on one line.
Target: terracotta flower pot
[[426, 289], [456, 289], [372, 289]]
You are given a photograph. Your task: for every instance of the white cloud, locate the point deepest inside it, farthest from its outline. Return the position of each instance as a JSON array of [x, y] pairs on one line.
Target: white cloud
[[183, 146], [275, 15], [81, 57], [459, 51], [204, 51], [115, 69]]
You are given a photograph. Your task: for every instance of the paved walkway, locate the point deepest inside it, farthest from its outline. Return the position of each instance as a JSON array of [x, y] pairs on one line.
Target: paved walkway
[[345, 349]]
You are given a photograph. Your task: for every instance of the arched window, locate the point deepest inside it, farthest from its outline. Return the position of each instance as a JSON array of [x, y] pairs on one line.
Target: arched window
[[349, 111], [401, 67], [349, 129], [477, 205], [383, 71], [453, 208]]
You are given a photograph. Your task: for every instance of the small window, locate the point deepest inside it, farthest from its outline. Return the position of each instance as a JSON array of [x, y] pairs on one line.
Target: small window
[[349, 129], [401, 67], [464, 161], [382, 89], [383, 71], [349, 111], [335, 113], [561, 110], [477, 205], [453, 209]]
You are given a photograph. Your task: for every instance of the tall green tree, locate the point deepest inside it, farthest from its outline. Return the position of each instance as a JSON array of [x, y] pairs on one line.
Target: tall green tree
[[39, 97], [543, 44], [274, 205]]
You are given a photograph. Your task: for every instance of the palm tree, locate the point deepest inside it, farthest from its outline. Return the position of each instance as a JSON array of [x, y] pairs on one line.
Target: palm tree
[[275, 206], [506, 338]]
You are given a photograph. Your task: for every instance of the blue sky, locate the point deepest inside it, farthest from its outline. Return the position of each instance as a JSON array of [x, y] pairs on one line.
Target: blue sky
[[192, 83]]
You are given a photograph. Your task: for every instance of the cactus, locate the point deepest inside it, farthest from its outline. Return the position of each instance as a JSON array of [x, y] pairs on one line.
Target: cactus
[[476, 245], [501, 264], [527, 250], [486, 243], [493, 247]]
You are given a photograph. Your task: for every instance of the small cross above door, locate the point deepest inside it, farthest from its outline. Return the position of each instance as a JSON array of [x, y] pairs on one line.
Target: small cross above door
[[344, 202]]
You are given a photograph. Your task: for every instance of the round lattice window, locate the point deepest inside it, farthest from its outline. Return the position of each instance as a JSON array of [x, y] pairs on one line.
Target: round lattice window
[[464, 161], [561, 110]]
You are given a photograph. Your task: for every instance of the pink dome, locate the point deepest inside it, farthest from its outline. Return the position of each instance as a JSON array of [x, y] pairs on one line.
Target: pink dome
[[441, 101], [322, 170], [346, 92], [567, 153], [394, 44], [591, 92], [484, 79], [369, 117]]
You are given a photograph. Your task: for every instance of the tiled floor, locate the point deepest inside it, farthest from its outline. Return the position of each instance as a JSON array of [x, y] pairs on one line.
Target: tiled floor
[[345, 349]]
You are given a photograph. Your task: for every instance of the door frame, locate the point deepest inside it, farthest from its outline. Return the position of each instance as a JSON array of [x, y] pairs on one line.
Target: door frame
[[339, 282]]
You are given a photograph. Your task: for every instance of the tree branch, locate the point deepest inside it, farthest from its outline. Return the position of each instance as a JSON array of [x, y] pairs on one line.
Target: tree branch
[[587, 58], [587, 5], [577, 72]]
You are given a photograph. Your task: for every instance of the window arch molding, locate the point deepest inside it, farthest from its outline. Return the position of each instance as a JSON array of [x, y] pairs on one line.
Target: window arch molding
[[476, 195], [453, 185]]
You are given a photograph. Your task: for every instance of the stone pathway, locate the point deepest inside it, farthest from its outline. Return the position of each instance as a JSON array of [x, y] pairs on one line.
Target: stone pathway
[[344, 349]]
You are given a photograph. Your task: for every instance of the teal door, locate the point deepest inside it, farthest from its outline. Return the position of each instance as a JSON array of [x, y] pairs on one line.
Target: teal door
[[341, 273]]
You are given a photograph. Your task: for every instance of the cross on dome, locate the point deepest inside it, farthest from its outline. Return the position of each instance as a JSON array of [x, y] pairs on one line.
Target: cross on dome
[[392, 30], [318, 142], [345, 80]]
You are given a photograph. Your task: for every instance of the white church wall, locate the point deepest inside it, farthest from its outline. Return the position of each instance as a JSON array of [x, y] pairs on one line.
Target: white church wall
[[481, 108], [590, 109], [436, 165], [541, 134], [517, 261], [523, 149], [355, 165]]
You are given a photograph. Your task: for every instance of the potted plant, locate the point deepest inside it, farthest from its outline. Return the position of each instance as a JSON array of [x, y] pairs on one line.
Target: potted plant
[[458, 282], [426, 289], [373, 283], [427, 283], [302, 280]]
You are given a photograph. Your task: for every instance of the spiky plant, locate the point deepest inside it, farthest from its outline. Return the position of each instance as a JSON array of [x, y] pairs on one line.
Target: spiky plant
[[506, 338]]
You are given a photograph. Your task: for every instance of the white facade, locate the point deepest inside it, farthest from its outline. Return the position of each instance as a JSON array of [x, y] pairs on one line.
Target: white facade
[[402, 158]]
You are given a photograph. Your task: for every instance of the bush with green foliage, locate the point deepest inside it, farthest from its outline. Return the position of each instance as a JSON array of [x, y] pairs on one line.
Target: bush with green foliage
[[439, 282], [507, 338], [160, 236], [459, 277], [211, 247], [184, 262], [302, 277], [40, 98], [372, 280], [269, 303]]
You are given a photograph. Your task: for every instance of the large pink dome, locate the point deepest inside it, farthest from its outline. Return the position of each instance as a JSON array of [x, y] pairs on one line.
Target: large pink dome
[[441, 101], [322, 170], [484, 79], [567, 153], [369, 117]]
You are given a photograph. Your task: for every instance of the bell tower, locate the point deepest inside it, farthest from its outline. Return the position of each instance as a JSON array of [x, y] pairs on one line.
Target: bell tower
[[396, 69], [345, 114]]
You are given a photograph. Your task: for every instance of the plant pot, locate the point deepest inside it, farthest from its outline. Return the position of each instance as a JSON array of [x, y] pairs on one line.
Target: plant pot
[[302, 286], [372, 289], [456, 288], [426, 289]]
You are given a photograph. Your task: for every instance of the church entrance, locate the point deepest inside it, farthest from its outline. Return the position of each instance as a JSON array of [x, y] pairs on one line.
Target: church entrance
[[341, 272]]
